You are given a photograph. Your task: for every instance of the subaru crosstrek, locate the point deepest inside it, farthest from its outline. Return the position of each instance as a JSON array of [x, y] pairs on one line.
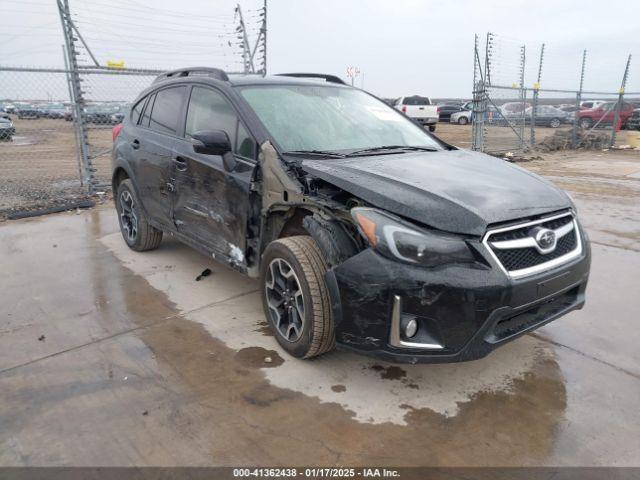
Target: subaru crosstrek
[[364, 230]]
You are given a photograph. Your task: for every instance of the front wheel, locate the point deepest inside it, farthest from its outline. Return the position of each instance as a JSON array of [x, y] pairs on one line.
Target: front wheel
[[134, 226], [463, 121], [295, 296], [554, 123], [432, 128]]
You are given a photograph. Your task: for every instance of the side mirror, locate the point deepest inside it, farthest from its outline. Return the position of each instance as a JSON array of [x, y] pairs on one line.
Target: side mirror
[[211, 142]]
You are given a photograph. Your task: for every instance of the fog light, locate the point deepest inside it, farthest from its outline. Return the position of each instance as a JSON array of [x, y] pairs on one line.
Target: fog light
[[411, 328]]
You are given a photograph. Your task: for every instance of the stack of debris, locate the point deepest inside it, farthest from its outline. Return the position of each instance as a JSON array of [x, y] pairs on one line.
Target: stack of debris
[[562, 140]]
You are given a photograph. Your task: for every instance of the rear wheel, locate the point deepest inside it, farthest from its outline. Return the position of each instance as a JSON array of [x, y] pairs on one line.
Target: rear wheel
[[463, 121], [295, 296], [134, 226], [555, 123], [585, 123], [432, 128]]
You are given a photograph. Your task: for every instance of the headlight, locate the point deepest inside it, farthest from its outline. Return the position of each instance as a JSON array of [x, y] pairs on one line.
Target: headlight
[[394, 238]]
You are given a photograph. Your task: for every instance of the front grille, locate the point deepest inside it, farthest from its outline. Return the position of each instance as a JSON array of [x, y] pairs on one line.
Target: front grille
[[524, 258], [522, 232], [520, 258]]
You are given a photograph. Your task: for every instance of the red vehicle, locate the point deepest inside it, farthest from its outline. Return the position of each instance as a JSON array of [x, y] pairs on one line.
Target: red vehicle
[[603, 115]]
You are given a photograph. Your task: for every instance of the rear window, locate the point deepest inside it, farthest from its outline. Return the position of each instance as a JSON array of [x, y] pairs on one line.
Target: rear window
[[165, 115], [416, 100]]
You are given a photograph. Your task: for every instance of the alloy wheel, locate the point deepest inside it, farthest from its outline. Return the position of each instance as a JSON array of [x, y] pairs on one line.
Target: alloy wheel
[[285, 299], [128, 217]]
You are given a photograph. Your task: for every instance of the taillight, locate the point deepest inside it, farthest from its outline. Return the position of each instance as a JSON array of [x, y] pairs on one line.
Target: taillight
[[437, 109], [116, 131], [404, 109]]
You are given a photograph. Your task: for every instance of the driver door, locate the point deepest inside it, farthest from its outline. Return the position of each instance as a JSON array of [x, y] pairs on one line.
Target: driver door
[[211, 202]]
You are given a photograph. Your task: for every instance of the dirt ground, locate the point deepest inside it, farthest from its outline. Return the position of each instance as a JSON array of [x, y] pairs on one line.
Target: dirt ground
[[111, 357]]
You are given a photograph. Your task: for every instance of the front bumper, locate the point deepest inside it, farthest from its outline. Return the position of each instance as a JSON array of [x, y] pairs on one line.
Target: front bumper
[[463, 311]]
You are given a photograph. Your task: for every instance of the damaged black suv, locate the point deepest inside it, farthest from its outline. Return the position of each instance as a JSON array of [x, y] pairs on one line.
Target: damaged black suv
[[364, 230]]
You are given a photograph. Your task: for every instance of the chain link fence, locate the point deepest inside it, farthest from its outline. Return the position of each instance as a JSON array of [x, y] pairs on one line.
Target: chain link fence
[[56, 123], [56, 153], [509, 116], [38, 149], [107, 97]]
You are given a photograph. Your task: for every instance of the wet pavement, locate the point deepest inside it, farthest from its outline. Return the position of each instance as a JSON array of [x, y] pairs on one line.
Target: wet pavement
[[112, 357]]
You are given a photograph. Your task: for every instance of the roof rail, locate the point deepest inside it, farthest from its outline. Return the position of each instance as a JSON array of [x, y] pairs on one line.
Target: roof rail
[[326, 77], [216, 73]]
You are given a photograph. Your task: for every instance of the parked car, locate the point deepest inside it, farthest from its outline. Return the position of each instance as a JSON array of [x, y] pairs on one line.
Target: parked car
[[28, 112], [592, 103], [419, 109], [445, 110], [633, 122], [603, 115], [5, 115], [461, 118], [548, 116], [7, 129], [52, 110], [98, 114], [363, 229], [492, 115], [512, 108], [9, 108]]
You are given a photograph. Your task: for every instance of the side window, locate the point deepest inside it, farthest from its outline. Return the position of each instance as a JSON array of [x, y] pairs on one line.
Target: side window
[[147, 112], [245, 145], [165, 115], [137, 110], [209, 110]]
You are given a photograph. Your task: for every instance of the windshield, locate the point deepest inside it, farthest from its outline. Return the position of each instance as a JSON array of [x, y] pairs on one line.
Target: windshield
[[327, 118]]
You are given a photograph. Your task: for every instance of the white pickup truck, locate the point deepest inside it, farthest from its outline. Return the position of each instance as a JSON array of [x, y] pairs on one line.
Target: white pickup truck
[[420, 109]]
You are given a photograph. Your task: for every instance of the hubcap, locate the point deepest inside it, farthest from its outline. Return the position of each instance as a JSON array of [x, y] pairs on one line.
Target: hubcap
[[285, 299], [128, 218]]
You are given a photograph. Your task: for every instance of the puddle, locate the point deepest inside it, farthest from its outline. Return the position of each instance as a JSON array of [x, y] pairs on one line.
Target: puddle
[[440, 388], [258, 357]]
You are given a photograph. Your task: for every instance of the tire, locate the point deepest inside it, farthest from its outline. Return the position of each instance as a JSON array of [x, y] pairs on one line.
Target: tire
[[432, 128], [555, 123], [136, 231], [463, 121], [585, 123], [298, 259]]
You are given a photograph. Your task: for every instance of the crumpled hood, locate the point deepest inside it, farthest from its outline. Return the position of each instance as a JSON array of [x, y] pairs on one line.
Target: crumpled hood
[[457, 191]]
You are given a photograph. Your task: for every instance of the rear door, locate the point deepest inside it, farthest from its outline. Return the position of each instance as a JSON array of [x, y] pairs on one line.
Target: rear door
[[154, 142], [212, 204]]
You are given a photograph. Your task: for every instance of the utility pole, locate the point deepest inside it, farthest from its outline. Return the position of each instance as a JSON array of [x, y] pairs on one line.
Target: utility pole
[[574, 131], [536, 94], [73, 101], [523, 94], [264, 39], [77, 95], [247, 56], [616, 118]]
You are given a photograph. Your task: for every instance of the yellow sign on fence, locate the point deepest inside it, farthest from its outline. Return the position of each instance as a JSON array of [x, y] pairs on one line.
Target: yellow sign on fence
[[114, 64]]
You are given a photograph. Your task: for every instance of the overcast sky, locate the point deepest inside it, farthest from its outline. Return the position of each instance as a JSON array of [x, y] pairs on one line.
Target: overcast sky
[[401, 46]]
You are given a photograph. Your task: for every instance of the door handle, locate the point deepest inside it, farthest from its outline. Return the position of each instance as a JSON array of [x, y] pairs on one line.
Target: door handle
[[181, 163], [135, 144]]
